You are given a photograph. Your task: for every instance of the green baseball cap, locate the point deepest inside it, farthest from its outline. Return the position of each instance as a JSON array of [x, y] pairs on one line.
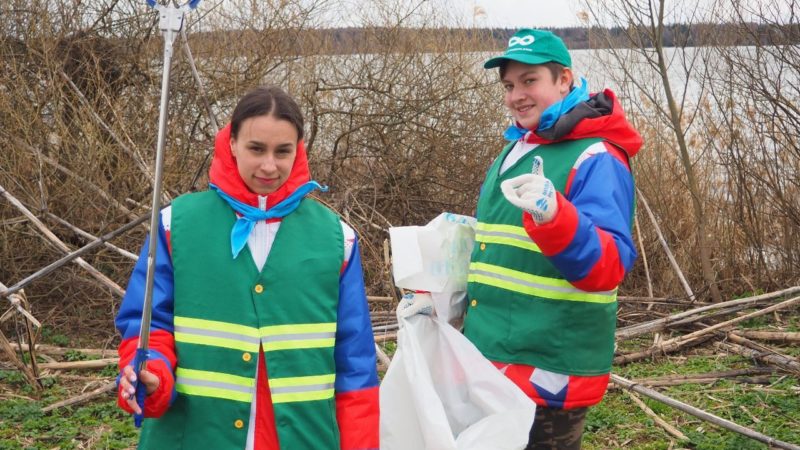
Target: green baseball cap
[[533, 47]]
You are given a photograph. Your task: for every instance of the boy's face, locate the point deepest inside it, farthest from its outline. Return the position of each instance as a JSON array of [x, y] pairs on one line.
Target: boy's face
[[530, 89]]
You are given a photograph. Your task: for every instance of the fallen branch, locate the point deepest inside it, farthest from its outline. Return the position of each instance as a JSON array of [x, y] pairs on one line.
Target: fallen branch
[[664, 244], [12, 356], [708, 417], [17, 300], [383, 359], [763, 379], [721, 374], [656, 418], [83, 233], [774, 336], [766, 357], [75, 254], [386, 337], [662, 323], [60, 244], [58, 351], [86, 396], [712, 328], [80, 365], [658, 349]]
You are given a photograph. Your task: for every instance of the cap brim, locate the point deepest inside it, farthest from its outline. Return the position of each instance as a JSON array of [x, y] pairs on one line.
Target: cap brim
[[525, 59]]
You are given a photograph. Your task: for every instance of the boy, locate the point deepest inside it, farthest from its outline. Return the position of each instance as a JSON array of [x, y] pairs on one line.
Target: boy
[[553, 240]]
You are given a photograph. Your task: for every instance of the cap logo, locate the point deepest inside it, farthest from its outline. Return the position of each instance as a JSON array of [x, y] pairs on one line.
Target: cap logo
[[524, 41]]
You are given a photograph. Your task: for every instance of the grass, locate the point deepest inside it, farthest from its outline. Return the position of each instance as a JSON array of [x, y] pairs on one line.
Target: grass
[[617, 422], [96, 425], [773, 410]]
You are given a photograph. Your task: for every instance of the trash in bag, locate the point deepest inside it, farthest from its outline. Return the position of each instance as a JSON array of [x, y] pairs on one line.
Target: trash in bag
[[435, 258], [440, 393]]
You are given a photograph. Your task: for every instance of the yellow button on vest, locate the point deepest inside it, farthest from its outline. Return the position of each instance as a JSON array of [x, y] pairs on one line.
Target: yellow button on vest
[[483, 246], [259, 289], [473, 303], [246, 357], [239, 423]]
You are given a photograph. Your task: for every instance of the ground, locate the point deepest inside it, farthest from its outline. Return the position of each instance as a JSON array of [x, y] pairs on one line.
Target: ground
[[772, 409]]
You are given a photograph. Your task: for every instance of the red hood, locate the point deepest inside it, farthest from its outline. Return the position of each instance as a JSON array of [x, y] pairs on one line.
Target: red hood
[[600, 117], [225, 175]]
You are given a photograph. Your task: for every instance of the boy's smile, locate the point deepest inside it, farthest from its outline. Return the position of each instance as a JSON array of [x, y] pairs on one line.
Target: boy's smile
[[531, 89]]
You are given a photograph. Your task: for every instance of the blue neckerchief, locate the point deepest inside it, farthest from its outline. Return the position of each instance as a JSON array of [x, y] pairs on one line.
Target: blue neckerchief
[[550, 116], [514, 133], [250, 214]]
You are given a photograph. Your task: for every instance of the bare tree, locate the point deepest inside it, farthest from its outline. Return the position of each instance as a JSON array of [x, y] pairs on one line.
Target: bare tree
[[638, 28]]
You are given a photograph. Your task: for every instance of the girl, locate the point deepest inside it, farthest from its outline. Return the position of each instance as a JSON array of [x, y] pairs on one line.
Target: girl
[[261, 337]]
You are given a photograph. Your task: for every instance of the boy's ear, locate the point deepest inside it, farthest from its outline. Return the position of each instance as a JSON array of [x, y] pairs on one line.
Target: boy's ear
[[566, 80]]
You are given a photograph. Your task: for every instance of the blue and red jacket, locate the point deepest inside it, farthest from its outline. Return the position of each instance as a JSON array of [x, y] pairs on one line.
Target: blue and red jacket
[[589, 240], [356, 384]]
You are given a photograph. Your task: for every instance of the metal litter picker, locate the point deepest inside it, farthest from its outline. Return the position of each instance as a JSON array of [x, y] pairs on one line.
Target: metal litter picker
[[170, 23]]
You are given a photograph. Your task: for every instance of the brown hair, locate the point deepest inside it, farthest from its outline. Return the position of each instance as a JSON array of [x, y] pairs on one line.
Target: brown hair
[[265, 101], [554, 68]]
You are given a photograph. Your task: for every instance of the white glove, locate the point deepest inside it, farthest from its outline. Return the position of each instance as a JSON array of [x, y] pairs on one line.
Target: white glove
[[412, 304], [533, 193]]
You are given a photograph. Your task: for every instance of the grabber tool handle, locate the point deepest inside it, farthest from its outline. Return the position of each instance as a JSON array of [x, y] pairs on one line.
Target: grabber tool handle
[[139, 362]]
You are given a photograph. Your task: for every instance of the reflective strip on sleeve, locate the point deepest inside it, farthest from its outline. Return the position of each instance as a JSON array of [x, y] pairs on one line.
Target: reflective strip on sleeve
[[524, 283]]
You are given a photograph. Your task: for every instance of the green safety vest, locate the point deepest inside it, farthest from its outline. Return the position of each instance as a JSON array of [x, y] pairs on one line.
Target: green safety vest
[[225, 309], [522, 310]]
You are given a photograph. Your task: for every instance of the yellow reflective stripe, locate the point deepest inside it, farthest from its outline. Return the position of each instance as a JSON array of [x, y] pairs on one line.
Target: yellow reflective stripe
[[290, 337], [302, 396], [511, 229], [214, 376], [302, 389], [524, 283], [216, 326], [214, 392], [301, 381], [214, 384], [298, 344], [215, 341], [506, 235], [275, 330]]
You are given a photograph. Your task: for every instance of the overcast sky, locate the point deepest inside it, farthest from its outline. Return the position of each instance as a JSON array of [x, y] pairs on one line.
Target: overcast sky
[[526, 13], [517, 13]]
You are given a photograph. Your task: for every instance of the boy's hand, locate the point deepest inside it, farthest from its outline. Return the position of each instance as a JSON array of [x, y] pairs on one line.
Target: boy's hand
[[412, 304], [532, 193]]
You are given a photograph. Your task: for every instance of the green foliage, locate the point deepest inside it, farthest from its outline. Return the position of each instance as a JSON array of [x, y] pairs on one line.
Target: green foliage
[[74, 355], [95, 425], [619, 423], [53, 337]]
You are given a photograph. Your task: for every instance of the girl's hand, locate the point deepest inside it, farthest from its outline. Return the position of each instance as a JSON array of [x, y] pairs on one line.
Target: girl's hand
[[127, 387]]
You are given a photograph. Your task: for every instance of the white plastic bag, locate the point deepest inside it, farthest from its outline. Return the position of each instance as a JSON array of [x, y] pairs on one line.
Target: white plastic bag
[[440, 393], [435, 258]]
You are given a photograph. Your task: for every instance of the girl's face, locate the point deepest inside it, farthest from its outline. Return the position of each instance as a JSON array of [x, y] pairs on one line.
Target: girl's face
[[264, 150], [530, 89]]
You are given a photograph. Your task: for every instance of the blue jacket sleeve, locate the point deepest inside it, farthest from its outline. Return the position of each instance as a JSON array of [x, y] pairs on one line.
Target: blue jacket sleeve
[[355, 345], [602, 192], [129, 318]]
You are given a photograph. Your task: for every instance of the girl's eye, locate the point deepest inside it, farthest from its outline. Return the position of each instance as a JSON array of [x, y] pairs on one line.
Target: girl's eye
[[508, 87]]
